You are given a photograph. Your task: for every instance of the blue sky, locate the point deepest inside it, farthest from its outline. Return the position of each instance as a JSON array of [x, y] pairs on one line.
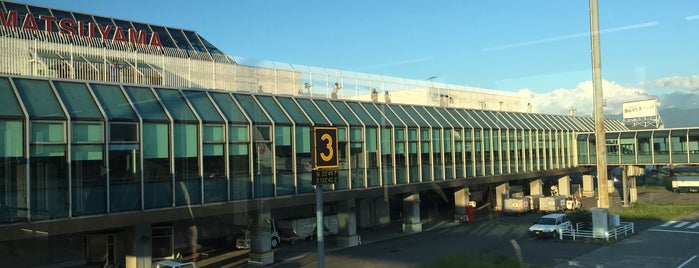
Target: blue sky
[[649, 48]]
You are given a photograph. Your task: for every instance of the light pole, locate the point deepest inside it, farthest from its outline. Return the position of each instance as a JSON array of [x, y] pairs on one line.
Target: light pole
[[598, 103]]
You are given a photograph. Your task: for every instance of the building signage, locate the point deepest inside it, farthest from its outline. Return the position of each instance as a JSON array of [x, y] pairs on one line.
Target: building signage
[[325, 152], [70, 28], [324, 176], [325, 147], [639, 109]]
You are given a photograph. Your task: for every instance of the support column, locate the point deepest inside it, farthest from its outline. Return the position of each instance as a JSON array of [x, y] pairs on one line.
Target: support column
[[502, 192], [564, 186], [411, 214], [382, 211], [461, 199], [373, 212], [139, 246], [588, 185], [347, 224], [261, 238], [536, 187]]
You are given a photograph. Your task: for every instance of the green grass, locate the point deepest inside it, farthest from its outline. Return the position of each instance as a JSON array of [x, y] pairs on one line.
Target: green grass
[[499, 261], [654, 211]]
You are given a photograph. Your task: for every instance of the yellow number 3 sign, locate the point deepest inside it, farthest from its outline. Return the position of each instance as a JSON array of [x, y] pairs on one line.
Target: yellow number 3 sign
[[325, 146]]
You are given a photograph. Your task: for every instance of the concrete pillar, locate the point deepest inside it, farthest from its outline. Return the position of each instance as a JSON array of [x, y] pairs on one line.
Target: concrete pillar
[[411, 214], [373, 212], [261, 238], [536, 187], [502, 192], [588, 185], [347, 223], [461, 199], [564, 186], [139, 246]]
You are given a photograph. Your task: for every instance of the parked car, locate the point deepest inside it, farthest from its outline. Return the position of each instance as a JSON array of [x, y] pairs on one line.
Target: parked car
[[549, 225]]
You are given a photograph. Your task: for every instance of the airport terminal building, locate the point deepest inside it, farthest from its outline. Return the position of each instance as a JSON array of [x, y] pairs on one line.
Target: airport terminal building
[[125, 143]]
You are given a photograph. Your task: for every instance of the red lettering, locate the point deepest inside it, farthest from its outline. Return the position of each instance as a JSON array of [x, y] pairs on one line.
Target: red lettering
[[119, 35], [11, 20], [104, 31], [48, 21], [30, 23], [68, 26], [138, 38], [155, 40], [90, 31]]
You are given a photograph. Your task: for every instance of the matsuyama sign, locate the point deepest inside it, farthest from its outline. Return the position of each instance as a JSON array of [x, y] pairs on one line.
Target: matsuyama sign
[[70, 28]]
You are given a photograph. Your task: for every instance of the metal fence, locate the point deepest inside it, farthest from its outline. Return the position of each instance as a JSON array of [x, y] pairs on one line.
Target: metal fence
[[53, 55]]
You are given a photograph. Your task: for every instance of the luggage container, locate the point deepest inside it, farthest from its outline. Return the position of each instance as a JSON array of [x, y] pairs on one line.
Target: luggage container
[[534, 201], [517, 205], [552, 204]]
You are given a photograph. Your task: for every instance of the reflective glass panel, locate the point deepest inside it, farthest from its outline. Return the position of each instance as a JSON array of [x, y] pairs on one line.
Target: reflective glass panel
[[78, 100], [39, 99], [203, 106], [9, 106], [113, 101], [229, 109], [148, 107], [176, 105], [273, 110]]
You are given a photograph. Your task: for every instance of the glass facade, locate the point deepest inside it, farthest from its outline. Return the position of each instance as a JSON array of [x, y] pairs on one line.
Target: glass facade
[[79, 149]]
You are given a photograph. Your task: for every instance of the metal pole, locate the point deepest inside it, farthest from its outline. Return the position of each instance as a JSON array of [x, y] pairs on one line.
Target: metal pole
[[600, 146], [320, 227]]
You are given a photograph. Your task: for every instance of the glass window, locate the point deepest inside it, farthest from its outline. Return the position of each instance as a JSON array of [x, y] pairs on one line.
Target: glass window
[[238, 133], [78, 100], [186, 141], [88, 132], [400, 113], [295, 112], [179, 38], [165, 38], [344, 111], [9, 106], [202, 105], [273, 110], [362, 114], [48, 132], [123, 132], [416, 116], [147, 105], [313, 112], [12, 174], [228, 108], [88, 181], [327, 109], [114, 103], [251, 109], [194, 41], [176, 105], [39, 99]]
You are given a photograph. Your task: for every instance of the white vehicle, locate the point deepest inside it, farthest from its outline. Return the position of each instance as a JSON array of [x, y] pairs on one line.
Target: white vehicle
[[244, 241], [685, 179], [549, 225]]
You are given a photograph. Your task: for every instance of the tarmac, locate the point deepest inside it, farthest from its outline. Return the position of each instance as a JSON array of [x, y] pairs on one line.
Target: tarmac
[[287, 253]]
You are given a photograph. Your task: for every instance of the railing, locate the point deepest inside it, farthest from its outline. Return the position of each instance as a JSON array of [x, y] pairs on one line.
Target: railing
[[52, 55], [624, 228]]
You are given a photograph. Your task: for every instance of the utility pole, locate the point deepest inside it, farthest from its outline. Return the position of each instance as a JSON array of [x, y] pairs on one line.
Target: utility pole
[[598, 103]]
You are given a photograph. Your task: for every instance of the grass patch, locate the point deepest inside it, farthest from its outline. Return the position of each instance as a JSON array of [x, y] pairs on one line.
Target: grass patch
[[498, 261], [654, 211]]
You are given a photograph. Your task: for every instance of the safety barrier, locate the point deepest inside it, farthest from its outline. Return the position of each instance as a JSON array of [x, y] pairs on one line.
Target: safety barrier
[[624, 228]]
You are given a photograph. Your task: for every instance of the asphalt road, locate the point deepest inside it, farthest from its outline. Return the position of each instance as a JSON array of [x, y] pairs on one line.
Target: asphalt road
[[655, 244]]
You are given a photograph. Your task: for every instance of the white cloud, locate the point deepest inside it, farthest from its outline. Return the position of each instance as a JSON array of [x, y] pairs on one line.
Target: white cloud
[[580, 98], [678, 82]]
